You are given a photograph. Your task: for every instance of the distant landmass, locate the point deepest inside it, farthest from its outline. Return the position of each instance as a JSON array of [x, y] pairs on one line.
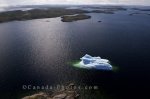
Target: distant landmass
[[74, 17], [19, 15]]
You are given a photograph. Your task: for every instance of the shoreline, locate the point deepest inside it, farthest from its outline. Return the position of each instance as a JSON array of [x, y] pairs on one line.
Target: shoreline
[[37, 13]]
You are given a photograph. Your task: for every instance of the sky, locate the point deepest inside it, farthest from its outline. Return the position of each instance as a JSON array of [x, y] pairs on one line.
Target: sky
[[36, 2]]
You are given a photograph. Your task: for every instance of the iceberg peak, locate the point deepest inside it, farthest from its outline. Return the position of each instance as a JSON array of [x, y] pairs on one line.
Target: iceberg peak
[[90, 62]]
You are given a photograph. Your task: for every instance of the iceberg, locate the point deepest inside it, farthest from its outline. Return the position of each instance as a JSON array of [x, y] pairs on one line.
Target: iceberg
[[90, 62]]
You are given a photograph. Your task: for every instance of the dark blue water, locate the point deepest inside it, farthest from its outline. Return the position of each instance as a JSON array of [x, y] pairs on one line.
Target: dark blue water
[[37, 52]]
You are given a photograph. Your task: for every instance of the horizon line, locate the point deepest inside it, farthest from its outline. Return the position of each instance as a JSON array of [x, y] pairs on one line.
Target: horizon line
[[109, 4]]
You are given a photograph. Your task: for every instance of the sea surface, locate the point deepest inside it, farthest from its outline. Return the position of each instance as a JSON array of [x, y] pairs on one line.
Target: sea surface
[[38, 52]]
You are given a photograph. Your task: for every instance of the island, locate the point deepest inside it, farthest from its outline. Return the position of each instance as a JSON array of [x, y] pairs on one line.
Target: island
[[99, 21], [20, 15], [140, 9], [69, 92], [71, 18], [103, 11], [139, 13], [51, 12]]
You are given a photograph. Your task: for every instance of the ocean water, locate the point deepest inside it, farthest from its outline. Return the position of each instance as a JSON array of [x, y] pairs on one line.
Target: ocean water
[[37, 52]]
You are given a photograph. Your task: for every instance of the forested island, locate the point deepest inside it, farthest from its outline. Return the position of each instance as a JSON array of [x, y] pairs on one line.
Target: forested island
[[37, 14], [19, 15], [72, 18]]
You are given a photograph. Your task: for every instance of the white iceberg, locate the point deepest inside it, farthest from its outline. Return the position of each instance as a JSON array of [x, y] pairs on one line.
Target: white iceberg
[[90, 62]]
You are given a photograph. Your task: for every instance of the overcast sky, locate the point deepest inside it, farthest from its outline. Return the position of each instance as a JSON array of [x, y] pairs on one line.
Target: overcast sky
[[27, 2]]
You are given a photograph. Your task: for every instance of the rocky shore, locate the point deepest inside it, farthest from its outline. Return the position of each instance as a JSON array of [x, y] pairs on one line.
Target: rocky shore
[[68, 93]]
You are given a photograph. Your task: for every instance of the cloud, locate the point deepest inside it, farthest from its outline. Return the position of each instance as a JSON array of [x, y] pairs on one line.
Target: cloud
[[23, 2]]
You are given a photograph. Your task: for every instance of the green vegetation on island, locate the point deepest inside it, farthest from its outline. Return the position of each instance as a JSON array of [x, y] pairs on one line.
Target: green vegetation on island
[[71, 18], [37, 14], [19, 15]]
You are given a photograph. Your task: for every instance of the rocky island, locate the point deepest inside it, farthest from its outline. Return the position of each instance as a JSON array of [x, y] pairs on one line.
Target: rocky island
[[68, 93], [71, 18]]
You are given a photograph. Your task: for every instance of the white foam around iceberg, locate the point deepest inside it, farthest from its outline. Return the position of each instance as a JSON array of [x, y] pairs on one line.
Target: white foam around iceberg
[[90, 62]]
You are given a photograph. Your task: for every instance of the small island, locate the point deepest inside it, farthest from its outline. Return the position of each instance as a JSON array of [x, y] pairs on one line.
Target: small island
[[103, 11], [99, 21], [71, 18], [139, 9], [138, 13]]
